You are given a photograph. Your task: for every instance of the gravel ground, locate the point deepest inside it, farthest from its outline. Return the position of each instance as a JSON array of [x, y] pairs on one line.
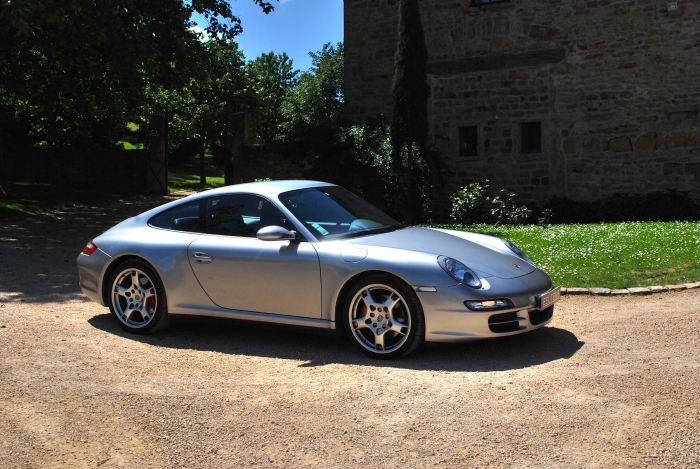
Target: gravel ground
[[611, 382]]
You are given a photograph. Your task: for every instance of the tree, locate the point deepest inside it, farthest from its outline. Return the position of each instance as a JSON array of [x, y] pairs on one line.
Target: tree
[[270, 76], [410, 91], [76, 70], [313, 109]]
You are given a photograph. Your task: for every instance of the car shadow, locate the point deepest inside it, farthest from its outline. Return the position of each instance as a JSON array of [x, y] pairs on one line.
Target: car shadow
[[318, 349]]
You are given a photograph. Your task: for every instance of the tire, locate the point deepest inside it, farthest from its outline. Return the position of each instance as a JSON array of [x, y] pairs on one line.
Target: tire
[[383, 317], [137, 298]]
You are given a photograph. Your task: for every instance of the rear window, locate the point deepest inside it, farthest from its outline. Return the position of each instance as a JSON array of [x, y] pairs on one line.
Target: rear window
[[186, 217]]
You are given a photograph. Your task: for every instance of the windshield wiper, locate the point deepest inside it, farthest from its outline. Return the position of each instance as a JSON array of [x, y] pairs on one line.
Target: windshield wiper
[[368, 232]]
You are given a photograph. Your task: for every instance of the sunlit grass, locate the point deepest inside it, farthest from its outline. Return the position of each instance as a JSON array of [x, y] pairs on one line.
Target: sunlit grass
[[612, 255], [187, 177]]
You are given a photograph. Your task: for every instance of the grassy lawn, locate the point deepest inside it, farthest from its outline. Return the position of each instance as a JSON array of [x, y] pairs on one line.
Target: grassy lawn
[[613, 255], [186, 178]]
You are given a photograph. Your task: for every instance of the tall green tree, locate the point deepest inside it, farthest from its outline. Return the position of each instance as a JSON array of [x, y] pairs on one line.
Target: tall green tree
[[75, 70], [410, 91], [316, 103], [270, 76]]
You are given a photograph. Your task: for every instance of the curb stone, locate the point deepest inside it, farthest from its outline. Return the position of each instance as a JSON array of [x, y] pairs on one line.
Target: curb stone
[[628, 291]]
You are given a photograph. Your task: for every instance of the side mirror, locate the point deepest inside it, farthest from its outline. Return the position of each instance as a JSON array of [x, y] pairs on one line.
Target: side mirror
[[275, 233]]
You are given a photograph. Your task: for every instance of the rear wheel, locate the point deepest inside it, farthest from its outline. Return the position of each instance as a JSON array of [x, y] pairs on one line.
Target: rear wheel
[[383, 317], [137, 298]]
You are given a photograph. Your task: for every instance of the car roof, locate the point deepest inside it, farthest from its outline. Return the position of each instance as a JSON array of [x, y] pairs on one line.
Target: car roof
[[269, 188]]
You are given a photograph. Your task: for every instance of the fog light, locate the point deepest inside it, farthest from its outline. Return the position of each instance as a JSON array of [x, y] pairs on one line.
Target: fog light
[[488, 305]]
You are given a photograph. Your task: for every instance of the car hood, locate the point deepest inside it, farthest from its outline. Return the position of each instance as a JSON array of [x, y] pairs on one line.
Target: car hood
[[485, 254]]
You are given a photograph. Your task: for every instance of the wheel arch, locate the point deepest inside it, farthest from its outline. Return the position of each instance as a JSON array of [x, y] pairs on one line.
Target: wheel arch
[[342, 294]]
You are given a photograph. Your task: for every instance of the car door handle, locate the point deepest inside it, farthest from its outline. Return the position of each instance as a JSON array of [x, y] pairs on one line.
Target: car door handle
[[202, 258]]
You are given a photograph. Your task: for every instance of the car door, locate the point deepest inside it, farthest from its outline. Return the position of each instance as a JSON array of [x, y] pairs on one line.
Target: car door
[[239, 271]]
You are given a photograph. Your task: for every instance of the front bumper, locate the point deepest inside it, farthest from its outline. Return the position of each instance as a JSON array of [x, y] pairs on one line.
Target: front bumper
[[447, 319]]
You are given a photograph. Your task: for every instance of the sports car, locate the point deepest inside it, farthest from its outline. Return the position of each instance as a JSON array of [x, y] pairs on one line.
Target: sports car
[[308, 253]]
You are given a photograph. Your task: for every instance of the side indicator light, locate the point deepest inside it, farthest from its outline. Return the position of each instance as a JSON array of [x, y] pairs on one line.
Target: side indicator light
[[89, 248]]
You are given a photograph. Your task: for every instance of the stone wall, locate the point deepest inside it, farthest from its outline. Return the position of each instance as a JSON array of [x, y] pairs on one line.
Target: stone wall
[[615, 85]]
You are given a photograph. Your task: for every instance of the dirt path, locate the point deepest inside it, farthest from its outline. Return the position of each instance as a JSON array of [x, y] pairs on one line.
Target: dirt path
[[612, 382]]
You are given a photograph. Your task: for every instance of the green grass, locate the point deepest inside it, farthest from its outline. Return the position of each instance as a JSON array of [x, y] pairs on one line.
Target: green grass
[[132, 146], [612, 255], [187, 177], [18, 198]]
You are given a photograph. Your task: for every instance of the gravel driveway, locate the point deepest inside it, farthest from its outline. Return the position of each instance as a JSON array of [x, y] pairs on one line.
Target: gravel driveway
[[611, 382]]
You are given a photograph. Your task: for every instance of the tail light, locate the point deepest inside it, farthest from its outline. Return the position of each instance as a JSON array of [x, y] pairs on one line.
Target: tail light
[[89, 248]]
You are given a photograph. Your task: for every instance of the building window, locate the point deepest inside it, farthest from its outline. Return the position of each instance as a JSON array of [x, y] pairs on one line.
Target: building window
[[531, 137], [478, 3], [468, 141]]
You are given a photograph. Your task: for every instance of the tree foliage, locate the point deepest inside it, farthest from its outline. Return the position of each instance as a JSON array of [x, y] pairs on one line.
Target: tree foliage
[[409, 131], [270, 76], [74, 71]]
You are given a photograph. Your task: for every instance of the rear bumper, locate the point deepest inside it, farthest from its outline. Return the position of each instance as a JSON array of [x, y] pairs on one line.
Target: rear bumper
[[90, 274]]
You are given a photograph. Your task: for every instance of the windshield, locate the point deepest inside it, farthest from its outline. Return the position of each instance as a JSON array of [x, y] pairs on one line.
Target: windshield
[[331, 212]]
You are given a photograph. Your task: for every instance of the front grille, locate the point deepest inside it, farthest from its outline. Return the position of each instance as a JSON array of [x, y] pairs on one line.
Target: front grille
[[504, 322], [538, 317]]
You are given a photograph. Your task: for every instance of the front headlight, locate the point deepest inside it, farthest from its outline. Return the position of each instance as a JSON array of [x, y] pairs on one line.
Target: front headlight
[[516, 250], [459, 271]]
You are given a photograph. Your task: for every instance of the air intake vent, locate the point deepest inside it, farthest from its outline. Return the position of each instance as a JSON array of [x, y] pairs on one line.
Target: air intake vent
[[504, 322], [538, 317]]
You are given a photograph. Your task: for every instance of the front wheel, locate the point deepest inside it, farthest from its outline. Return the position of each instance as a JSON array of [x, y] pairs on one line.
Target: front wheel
[[137, 297], [383, 317]]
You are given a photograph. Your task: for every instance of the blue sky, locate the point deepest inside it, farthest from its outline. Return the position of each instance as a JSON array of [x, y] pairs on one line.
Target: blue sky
[[296, 27]]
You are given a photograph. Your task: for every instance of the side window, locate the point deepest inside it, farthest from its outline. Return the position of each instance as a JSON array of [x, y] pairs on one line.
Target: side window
[[468, 141], [241, 215], [186, 217]]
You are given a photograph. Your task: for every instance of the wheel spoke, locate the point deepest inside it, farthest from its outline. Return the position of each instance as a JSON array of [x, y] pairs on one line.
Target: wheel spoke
[[379, 341], [144, 312], [121, 291], [360, 323], [390, 302], [398, 327]]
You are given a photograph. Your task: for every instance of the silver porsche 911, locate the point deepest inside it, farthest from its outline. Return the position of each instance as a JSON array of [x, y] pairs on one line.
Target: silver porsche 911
[[313, 254]]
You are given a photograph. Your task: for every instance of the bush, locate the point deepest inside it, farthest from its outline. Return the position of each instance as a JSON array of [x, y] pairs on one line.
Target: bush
[[472, 204], [468, 203], [506, 211]]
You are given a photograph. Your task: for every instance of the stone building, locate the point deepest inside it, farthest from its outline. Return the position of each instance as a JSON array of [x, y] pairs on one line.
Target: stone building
[[575, 98]]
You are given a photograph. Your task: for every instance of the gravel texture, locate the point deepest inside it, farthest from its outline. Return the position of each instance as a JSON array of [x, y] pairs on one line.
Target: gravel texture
[[613, 381]]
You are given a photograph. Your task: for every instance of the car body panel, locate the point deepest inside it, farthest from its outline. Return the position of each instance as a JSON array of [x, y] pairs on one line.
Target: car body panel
[[232, 276], [301, 282]]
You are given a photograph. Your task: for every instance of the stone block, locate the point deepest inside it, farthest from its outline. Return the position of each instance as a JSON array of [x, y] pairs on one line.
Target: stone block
[[658, 289], [649, 141], [639, 291], [619, 144], [620, 291], [675, 287], [576, 291], [600, 291], [570, 145], [692, 285]]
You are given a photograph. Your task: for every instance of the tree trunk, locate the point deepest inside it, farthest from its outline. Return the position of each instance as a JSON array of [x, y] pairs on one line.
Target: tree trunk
[[202, 171]]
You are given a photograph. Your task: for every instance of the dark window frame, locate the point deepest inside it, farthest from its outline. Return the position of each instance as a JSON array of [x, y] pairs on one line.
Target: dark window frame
[[531, 137], [468, 140], [481, 3]]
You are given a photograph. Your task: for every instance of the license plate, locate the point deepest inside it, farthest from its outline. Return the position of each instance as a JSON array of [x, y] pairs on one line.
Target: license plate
[[549, 298]]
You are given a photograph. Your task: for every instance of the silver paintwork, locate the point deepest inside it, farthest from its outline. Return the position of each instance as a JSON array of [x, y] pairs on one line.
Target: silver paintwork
[[300, 282]]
